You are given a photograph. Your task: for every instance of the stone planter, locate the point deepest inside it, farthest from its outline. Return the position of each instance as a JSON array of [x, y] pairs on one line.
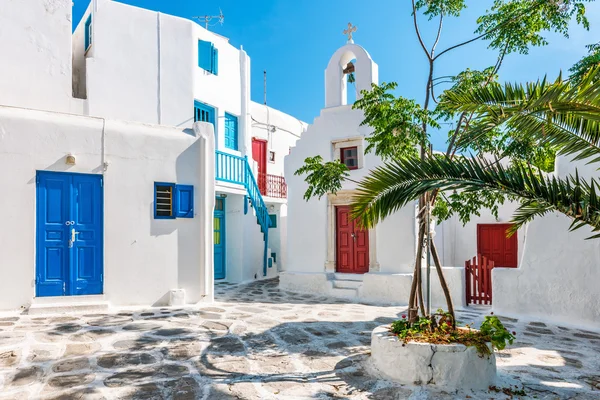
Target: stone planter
[[450, 367]]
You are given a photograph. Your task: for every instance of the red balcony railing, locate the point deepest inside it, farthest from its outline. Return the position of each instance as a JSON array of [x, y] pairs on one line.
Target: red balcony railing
[[272, 185]]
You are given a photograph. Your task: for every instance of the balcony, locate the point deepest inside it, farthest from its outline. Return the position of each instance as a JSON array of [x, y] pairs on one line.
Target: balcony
[[272, 186]]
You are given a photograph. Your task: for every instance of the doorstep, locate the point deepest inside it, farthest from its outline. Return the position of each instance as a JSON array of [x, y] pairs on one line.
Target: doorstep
[[68, 304]]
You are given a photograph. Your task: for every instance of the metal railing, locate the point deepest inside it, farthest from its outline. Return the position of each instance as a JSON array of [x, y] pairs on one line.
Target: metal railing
[[235, 169], [272, 186]]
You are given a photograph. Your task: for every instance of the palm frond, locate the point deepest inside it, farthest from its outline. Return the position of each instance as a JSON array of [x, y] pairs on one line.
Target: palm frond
[[388, 188], [559, 113]]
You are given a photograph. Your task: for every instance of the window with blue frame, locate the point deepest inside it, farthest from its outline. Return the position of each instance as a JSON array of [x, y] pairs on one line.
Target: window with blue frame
[[203, 113], [88, 32], [208, 57], [231, 131], [173, 201], [273, 221]]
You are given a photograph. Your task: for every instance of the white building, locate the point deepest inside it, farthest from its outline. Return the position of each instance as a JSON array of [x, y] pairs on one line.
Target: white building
[[114, 179], [171, 71], [542, 271], [83, 217]]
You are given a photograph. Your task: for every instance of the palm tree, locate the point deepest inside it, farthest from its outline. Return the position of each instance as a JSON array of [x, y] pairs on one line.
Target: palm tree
[[561, 114]]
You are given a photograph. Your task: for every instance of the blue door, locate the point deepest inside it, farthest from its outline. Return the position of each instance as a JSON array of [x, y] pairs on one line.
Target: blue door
[[219, 238], [69, 249]]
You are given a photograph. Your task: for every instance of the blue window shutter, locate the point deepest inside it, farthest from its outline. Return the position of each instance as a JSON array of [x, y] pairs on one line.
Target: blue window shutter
[[88, 32], [184, 201], [215, 61], [231, 132], [205, 55]]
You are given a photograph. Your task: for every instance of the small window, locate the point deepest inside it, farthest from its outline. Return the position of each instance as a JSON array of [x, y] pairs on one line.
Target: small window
[[349, 156], [88, 33], [208, 57], [231, 132], [271, 156], [273, 221], [219, 204], [203, 113], [173, 201], [163, 200]]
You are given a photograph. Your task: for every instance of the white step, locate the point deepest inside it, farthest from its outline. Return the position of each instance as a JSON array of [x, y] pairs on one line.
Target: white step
[[68, 304], [348, 277], [347, 284], [68, 299], [344, 293]]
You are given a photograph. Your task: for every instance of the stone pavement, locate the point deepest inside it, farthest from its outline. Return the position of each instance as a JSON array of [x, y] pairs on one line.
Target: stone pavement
[[258, 342]]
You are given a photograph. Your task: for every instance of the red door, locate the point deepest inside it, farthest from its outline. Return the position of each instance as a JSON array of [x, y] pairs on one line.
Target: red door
[[352, 244], [259, 154], [493, 244]]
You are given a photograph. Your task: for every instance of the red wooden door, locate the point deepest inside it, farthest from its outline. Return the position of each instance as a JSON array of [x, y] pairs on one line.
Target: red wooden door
[[493, 244], [259, 154], [352, 244]]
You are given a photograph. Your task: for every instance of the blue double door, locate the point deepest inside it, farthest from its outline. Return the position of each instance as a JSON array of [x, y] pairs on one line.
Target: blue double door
[[69, 222]]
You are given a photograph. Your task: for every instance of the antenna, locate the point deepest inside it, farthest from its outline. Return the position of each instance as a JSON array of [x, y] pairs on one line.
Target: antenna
[[265, 86], [207, 18]]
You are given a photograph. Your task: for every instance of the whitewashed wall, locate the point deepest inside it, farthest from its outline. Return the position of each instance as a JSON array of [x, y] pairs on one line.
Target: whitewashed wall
[[287, 130], [558, 272], [35, 46], [144, 257], [306, 221]]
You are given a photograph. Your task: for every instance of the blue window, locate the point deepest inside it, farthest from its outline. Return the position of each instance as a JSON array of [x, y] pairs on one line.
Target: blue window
[[231, 131], [208, 57], [273, 221], [203, 113], [88, 32], [173, 201]]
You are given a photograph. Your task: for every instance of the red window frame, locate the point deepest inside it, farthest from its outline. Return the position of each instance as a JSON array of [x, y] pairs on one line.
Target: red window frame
[[343, 158]]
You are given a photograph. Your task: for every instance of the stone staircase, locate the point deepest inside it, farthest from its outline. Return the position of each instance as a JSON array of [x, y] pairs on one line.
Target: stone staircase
[[345, 285], [68, 304]]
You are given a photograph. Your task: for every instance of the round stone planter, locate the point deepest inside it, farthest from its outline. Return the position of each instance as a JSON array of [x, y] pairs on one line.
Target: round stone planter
[[451, 366]]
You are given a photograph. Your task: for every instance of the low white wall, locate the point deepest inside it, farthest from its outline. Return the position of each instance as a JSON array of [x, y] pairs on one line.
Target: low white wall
[[455, 279], [557, 278], [304, 282], [385, 288], [144, 257]]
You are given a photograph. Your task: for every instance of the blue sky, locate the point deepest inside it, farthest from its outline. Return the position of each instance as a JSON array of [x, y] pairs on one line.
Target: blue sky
[[293, 40]]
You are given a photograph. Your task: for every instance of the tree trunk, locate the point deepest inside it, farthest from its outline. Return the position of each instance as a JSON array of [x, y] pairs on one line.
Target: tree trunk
[[419, 277], [443, 283], [413, 311]]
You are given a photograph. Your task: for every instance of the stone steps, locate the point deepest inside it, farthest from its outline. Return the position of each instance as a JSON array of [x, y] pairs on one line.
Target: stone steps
[[344, 293], [68, 304], [347, 277], [343, 284]]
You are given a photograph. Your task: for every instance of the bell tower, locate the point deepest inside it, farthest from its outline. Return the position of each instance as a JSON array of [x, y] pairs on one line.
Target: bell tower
[[349, 60]]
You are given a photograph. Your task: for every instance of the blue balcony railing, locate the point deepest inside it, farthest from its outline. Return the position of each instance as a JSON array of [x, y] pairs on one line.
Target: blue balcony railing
[[235, 169]]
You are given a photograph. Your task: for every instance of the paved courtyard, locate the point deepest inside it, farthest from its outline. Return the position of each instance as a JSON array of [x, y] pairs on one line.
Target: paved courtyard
[[258, 342]]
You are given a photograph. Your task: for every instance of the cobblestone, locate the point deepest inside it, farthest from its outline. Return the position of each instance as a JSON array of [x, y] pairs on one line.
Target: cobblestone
[[258, 342]]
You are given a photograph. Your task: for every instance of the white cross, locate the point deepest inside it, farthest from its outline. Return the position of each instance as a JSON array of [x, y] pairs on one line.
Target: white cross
[[351, 29]]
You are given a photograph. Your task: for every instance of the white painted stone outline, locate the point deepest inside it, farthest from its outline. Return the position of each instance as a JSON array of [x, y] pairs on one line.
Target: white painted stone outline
[[356, 141], [344, 198]]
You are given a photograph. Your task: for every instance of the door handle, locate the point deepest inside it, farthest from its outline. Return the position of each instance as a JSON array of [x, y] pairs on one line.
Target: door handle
[[353, 236], [73, 237]]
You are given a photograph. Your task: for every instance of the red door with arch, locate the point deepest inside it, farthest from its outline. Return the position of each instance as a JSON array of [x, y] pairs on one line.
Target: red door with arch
[[493, 244], [259, 154], [352, 244]]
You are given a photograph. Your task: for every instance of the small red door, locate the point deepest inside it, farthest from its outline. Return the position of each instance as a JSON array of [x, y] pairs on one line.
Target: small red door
[[493, 244], [259, 154], [352, 244]]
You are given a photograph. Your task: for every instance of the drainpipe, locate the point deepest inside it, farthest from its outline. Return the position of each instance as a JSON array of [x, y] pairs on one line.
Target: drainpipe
[[245, 122]]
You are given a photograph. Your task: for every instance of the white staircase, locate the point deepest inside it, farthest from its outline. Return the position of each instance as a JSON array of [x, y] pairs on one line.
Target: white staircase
[[345, 286], [68, 304]]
